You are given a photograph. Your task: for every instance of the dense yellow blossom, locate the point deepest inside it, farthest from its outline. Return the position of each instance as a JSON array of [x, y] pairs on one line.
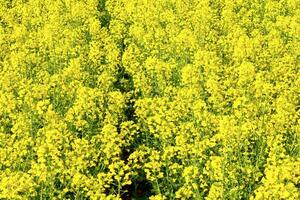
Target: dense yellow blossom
[[141, 99]]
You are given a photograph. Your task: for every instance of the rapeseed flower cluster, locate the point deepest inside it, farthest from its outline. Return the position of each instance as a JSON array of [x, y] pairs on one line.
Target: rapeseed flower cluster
[[165, 99]]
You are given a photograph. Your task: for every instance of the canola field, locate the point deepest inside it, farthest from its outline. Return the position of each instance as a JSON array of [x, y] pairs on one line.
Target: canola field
[[149, 99]]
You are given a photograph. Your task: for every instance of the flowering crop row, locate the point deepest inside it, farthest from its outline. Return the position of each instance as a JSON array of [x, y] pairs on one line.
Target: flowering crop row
[[141, 99]]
